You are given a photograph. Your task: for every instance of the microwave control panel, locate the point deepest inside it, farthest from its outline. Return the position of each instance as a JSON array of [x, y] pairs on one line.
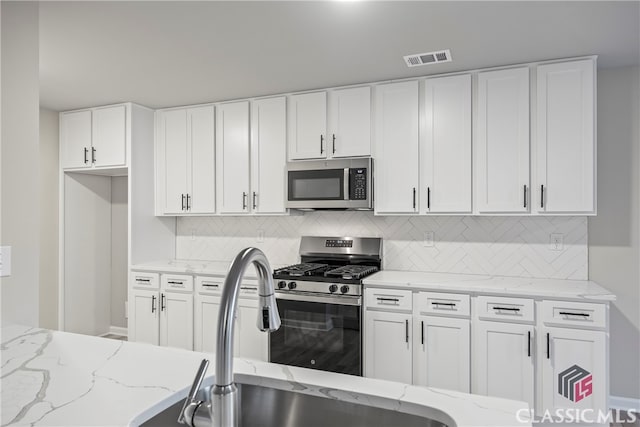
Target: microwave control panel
[[358, 184]]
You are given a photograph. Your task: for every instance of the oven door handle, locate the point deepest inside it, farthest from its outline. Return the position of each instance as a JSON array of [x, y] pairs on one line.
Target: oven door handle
[[326, 299]]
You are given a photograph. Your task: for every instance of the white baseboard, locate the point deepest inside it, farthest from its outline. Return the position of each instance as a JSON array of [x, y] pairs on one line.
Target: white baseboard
[[118, 330], [624, 403]]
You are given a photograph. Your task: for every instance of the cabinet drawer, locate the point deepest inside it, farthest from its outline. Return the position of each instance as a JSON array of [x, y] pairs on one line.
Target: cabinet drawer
[[389, 299], [209, 285], [143, 280], [580, 314], [505, 309], [442, 303], [177, 282]]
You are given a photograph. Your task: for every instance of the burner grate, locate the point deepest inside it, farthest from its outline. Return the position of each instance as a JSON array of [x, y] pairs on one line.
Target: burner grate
[[304, 269], [351, 271]]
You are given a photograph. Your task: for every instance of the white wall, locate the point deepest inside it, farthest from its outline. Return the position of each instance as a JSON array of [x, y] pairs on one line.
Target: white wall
[[49, 176], [20, 175], [119, 249], [506, 246], [614, 235]]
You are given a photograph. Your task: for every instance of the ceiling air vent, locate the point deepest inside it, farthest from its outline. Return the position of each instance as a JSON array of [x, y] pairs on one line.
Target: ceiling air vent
[[428, 58]]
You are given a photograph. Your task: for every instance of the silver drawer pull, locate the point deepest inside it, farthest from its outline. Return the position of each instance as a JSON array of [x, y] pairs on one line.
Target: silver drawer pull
[[448, 304], [383, 300], [211, 285], [248, 288], [142, 280], [507, 309], [171, 282], [567, 313]]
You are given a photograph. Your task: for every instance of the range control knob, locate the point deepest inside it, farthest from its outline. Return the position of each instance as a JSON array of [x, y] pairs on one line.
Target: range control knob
[[292, 285], [333, 288], [344, 289], [282, 284]]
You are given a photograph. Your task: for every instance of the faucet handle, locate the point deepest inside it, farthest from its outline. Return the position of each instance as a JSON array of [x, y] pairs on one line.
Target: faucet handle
[[193, 392]]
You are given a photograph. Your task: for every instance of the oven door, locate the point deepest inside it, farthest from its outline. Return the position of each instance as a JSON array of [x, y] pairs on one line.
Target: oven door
[[318, 332]]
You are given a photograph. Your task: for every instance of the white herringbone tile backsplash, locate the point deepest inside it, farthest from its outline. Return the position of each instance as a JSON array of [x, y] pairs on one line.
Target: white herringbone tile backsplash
[[504, 246]]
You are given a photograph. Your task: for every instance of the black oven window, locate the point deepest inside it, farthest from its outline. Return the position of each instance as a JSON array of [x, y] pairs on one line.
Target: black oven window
[[316, 185], [318, 336]]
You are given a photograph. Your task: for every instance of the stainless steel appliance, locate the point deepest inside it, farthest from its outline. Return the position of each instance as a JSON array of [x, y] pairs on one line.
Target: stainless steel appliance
[[330, 184], [320, 304]]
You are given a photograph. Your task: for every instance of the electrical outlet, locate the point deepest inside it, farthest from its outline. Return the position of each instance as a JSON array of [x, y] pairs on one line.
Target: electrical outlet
[[260, 236], [556, 241], [5, 261], [429, 238]]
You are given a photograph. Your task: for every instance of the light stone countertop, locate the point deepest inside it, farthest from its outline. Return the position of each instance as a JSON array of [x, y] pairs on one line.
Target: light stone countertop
[[52, 378], [578, 290]]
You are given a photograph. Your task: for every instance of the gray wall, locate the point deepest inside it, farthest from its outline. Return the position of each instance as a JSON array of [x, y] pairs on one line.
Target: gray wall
[[614, 235], [119, 266], [49, 176], [20, 149]]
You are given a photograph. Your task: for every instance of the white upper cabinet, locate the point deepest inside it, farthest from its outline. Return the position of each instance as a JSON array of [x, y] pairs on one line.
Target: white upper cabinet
[[396, 147], [232, 163], [268, 155], [185, 161], [349, 122], [201, 132], [446, 154], [502, 142], [75, 139], [109, 136], [95, 138], [565, 138], [308, 126]]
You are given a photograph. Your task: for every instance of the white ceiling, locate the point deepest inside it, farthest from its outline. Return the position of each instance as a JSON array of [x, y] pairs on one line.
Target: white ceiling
[[172, 53]]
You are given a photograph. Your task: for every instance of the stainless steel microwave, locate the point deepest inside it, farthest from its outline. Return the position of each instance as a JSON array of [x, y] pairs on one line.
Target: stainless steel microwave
[[330, 184]]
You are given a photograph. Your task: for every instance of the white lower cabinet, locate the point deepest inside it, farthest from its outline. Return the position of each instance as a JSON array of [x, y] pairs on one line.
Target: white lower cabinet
[[249, 341], [176, 320], [503, 360], [442, 354], [388, 346], [144, 317]]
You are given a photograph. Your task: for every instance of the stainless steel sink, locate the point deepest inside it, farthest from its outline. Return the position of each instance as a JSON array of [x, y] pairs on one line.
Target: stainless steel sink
[[270, 407]]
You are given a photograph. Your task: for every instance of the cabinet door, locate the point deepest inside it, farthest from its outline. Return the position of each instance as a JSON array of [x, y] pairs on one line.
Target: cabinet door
[[503, 361], [442, 355], [173, 160], [565, 140], [446, 158], [388, 346], [201, 132], [308, 126], [268, 155], [574, 370], [205, 323], [232, 157], [502, 141], [75, 139], [252, 342], [176, 320], [144, 316], [396, 147], [109, 136], [350, 121]]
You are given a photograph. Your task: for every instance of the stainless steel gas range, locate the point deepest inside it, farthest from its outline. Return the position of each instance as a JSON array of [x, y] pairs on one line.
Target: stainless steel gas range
[[320, 304]]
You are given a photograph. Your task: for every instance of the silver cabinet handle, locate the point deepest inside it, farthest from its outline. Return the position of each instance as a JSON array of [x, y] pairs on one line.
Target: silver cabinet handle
[[188, 202], [525, 196], [153, 303], [406, 331], [162, 300], [93, 155], [542, 196], [244, 200], [428, 197], [183, 201], [86, 152], [334, 143], [321, 144], [414, 198], [255, 204]]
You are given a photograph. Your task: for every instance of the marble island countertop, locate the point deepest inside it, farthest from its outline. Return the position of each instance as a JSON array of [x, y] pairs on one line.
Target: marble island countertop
[[52, 378], [579, 290]]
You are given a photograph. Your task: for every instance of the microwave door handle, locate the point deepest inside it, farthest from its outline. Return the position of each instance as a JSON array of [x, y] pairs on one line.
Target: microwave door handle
[[346, 184]]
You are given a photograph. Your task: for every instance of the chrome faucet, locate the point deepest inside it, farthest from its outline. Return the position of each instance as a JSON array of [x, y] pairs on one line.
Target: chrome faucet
[[222, 409]]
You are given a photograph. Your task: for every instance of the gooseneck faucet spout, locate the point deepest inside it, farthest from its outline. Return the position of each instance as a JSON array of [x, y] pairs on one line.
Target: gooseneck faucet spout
[[223, 408]]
